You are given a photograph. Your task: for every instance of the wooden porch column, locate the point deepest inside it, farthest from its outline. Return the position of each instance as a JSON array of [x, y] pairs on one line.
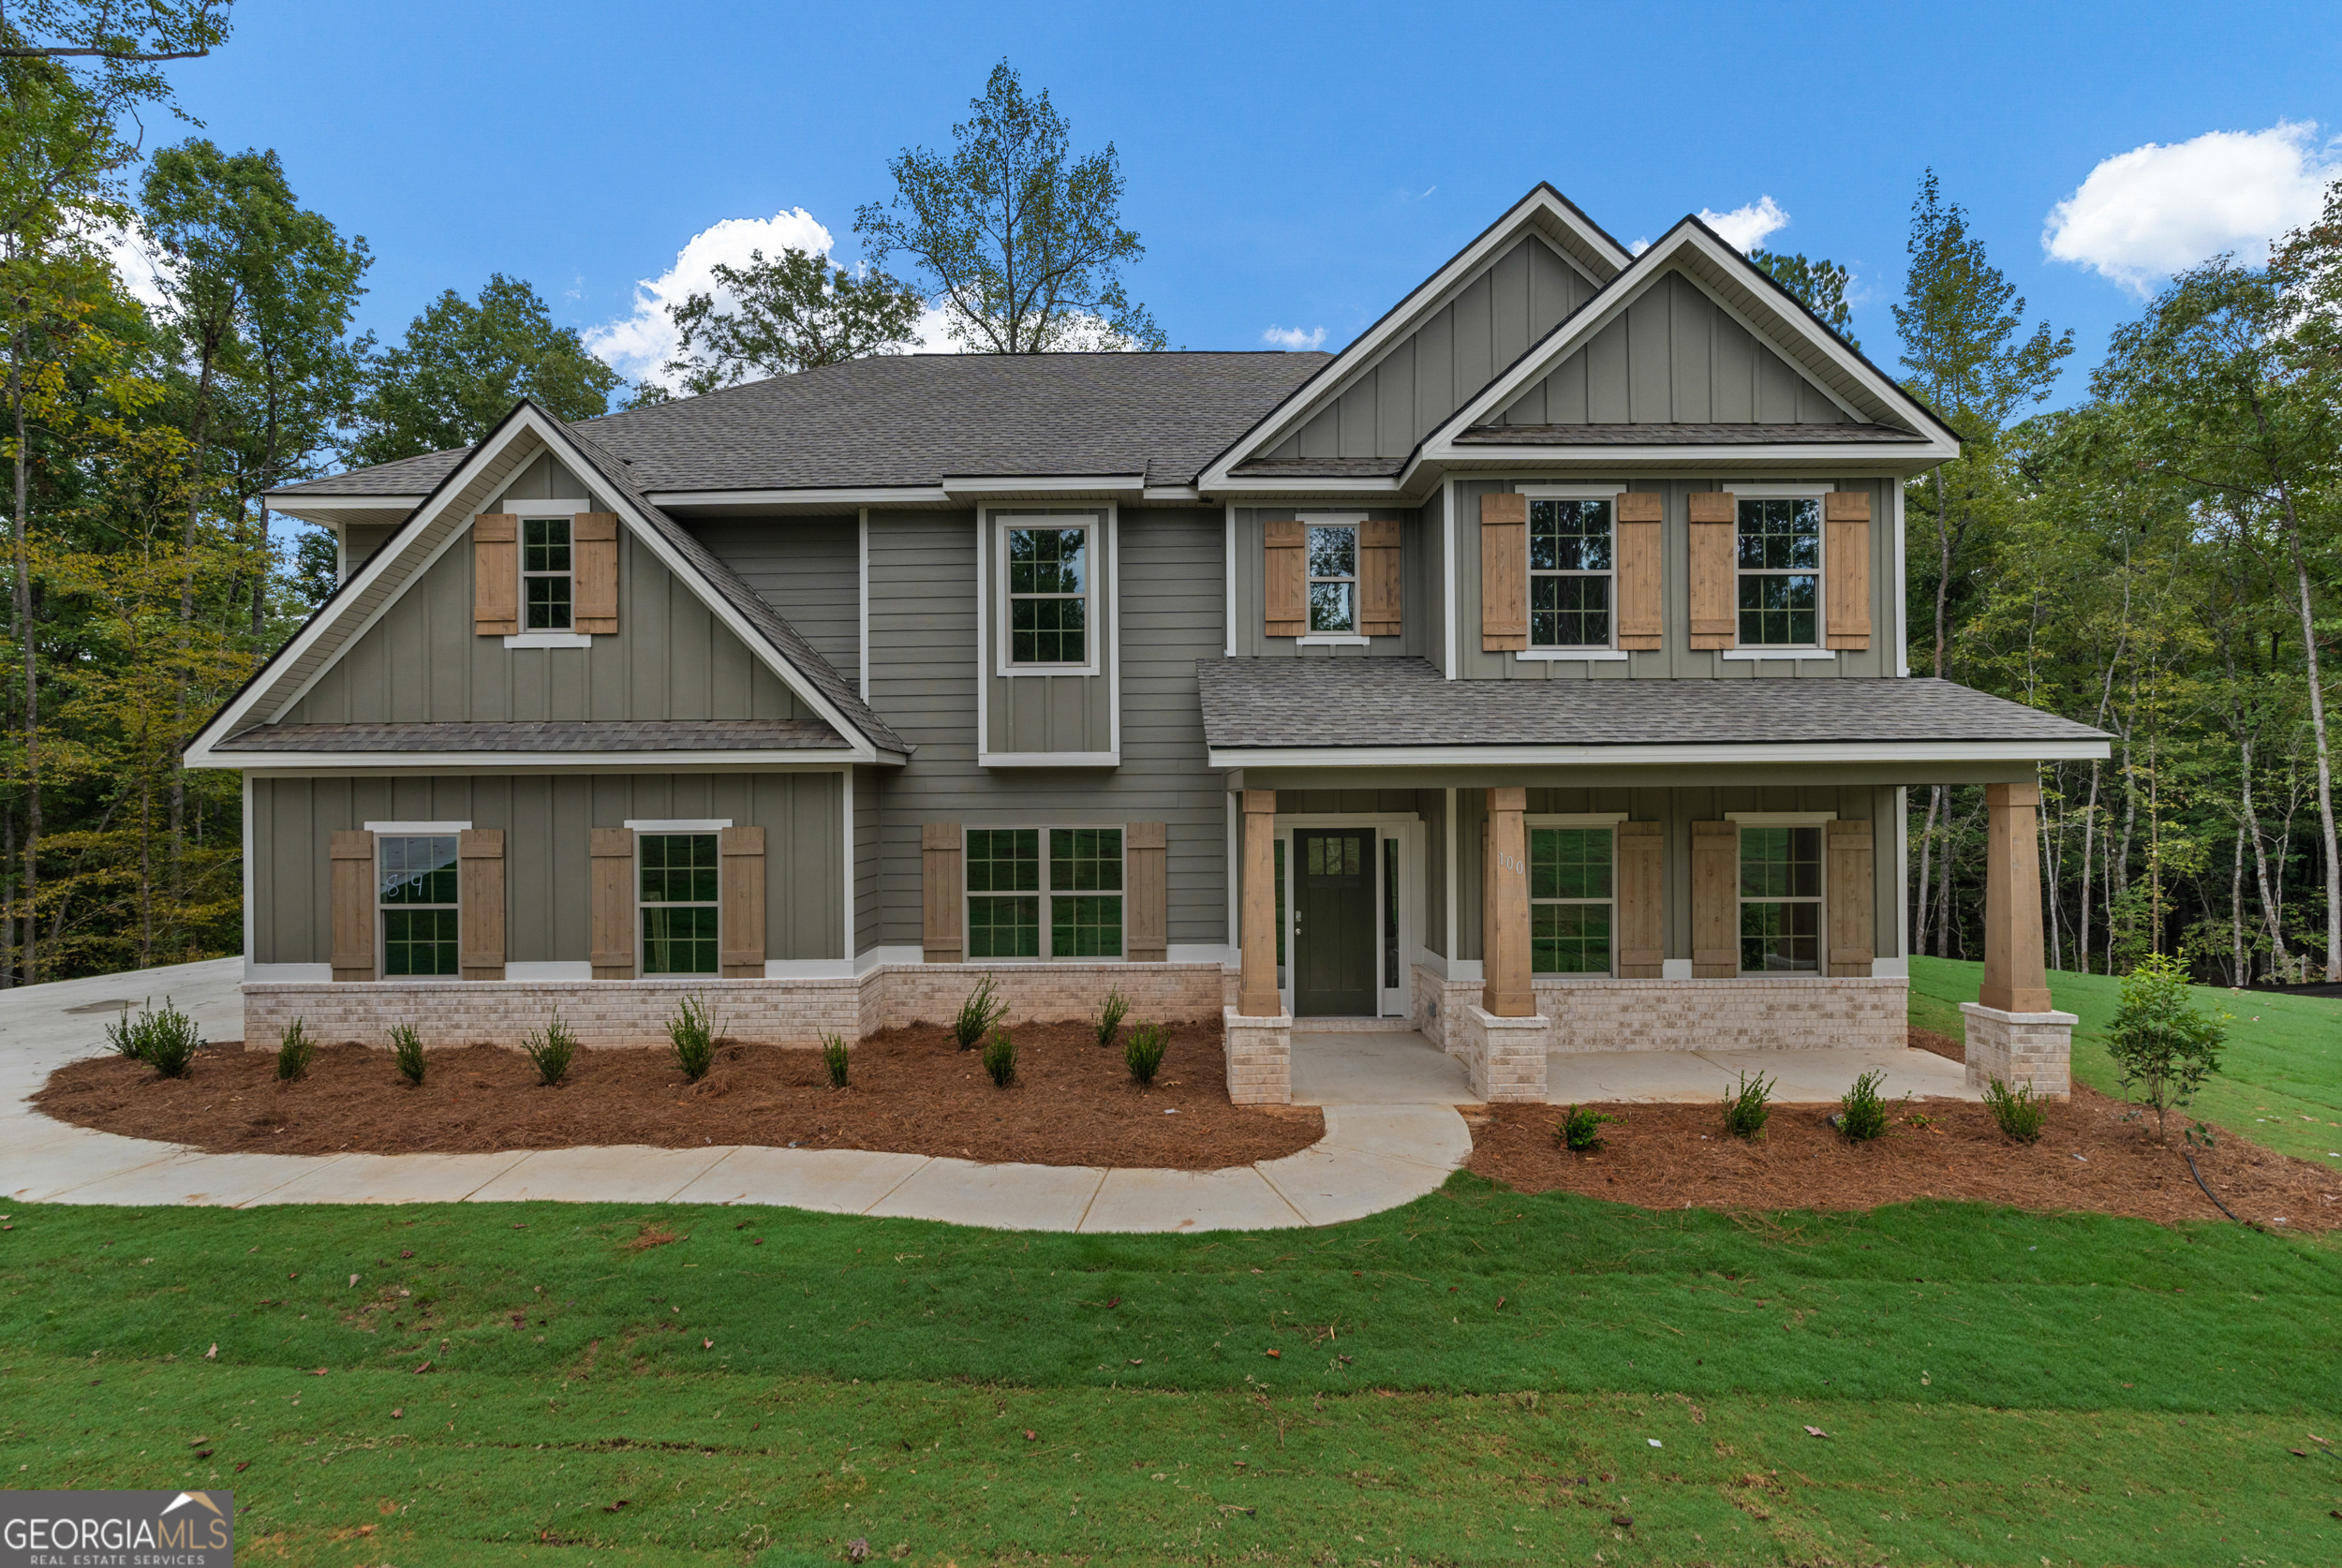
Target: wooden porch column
[[2015, 980], [1256, 990], [1506, 991]]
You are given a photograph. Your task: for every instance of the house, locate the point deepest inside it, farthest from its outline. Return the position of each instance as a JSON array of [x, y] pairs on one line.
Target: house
[[1530, 672]]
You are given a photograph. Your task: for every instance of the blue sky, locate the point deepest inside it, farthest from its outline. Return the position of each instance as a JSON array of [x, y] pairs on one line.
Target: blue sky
[[1293, 167]]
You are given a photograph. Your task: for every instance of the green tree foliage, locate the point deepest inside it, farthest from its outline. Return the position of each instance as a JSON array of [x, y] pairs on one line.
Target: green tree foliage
[[1818, 286], [1023, 249], [462, 365], [795, 313]]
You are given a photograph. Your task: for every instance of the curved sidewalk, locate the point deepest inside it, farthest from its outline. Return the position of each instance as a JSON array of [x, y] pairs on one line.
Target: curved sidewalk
[[1372, 1156]]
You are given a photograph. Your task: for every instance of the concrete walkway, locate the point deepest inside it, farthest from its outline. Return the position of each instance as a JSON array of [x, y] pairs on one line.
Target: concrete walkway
[[1801, 1077]]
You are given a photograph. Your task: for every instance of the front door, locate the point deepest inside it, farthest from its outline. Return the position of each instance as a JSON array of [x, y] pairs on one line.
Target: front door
[[1334, 923]]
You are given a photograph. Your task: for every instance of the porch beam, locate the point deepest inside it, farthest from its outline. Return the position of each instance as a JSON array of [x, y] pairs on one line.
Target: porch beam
[[1257, 990], [2015, 977], [1505, 990]]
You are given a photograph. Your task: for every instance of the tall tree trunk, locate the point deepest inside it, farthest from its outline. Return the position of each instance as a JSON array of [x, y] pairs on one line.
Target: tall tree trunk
[[2271, 906], [2236, 972], [2049, 882], [202, 433], [2089, 826], [1927, 850], [2307, 613], [21, 597]]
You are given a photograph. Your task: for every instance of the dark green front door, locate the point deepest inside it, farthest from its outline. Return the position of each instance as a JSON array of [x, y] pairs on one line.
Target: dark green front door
[[1333, 918]]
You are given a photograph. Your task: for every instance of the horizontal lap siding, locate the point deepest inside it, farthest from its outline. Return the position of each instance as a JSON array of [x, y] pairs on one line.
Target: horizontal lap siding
[[808, 568]]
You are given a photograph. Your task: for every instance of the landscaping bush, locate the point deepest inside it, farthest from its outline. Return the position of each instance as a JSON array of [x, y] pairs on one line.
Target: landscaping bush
[[294, 1051], [550, 1051], [1861, 1113], [692, 1033], [165, 1041], [834, 1057], [1580, 1131], [2163, 1046], [1746, 1107], [2016, 1113], [978, 1013], [1000, 1058], [125, 1036], [1110, 1017], [1143, 1052], [406, 1052]]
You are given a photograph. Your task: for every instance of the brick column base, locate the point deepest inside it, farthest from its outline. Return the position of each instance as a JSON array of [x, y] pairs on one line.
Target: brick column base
[[1505, 1057], [2021, 1048], [1260, 1058]]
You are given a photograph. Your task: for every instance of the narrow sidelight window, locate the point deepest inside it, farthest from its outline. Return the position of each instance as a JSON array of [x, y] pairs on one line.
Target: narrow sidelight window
[[1333, 578], [679, 902], [418, 900], [547, 581], [1570, 890], [1085, 893], [1003, 873], [1571, 567], [1780, 900], [1390, 914], [1778, 557], [1048, 595]]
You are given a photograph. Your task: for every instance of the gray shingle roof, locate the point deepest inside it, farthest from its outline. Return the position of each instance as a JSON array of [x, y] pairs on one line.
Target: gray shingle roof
[[722, 734], [1680, 435], [1319, 467], [1288, 703]]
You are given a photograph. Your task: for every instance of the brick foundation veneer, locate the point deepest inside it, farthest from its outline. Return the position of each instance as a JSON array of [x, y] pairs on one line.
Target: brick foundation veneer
[[1505, 1057], [1437, 1003], [1260, 1058], [1750, 1012], [2021, 1048]]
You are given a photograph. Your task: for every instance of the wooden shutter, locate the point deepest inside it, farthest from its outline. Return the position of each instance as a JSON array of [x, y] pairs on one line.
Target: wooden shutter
[[1146, 901], [1640, 894], [612, 919], [352, 900], [594, 557], [1847, 890], [740, 908], [1847, 567], [1715, 618], [495, 574], [1284, 576], [1378, 577], [941, 938], [1504, 572], [1716, 900], [1641, 552], [480, 903]]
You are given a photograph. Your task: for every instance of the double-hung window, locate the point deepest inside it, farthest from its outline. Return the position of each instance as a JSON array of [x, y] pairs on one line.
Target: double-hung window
[[1780, 899], [417, 895], [1571, 886], [548, 580], [1571, 566], [1022, 904], [1333, 563], [1777, 554], [678, 901], [1048, 595]]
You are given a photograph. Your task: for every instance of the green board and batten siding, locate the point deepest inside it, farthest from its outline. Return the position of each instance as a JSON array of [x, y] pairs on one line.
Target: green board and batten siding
[[808, 568], [1419, 620]]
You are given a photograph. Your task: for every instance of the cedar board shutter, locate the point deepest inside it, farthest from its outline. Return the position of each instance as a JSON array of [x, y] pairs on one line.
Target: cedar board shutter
[[1284, 576], [1716, 900], [1641, 555], [613, 920], [1846, 566], [740, 903], [1713, 521], [480, 903], [1847, 868], [1146, 903], [594, 560], [1378, 577], [1640, 892], [941, 939], [353, 905], [495, 574], [1504, 572]]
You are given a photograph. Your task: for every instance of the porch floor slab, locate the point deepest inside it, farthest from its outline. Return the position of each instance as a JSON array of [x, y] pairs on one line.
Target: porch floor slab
[[1800, 1077], [1376, 1067]]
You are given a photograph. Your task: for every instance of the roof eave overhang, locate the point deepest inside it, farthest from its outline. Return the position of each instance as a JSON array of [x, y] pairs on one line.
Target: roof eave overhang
[[310, 764], [341, 512], [1902, 458], [1915, 752]]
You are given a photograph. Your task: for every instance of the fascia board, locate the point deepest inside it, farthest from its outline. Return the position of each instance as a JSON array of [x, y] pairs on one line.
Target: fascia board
[[1572, 756], [1235, 490], [295, 505], [990, 485], [315, 763], [1835, 455], [837, 498]]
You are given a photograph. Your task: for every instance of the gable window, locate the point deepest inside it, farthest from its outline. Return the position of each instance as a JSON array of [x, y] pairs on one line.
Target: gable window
[[1777, 557], [1780, 899], [1570, 893], [417, 897], [679, 902], [1021, 906], [1571, 567], [1333, 560], [1048, 595], [548, 583]]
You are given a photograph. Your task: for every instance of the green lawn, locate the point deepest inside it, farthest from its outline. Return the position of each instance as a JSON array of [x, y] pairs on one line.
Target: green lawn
[[2280, 1081]]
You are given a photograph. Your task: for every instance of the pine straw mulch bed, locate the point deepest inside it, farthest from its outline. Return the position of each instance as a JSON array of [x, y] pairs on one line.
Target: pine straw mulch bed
[[2089, 1158], [911, 1091]]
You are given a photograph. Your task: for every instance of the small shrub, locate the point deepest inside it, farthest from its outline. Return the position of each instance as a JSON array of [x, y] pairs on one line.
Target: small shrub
[[294, 1051], [2162, 1045], [1580, 1131], [1110, 1017], [1746, 1107], [978, 1013], [549, 1051], [834, 1057], [2016, 1112], [692, 1033], [1861, 1113], [407, 1053], [1142, 1053], [125, 1037], [165, 1040], [1000, 1058]]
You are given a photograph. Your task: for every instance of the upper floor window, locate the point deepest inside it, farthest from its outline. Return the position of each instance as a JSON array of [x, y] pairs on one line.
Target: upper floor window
[[1048, 595], [1571, 565], [1778, 559], [679, 902], [1333, 560], [418, 899], [1570, 893], [1780, 899], [548, 582]]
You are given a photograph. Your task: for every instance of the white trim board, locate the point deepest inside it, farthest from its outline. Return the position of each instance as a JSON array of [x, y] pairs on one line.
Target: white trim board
[[419, 829], [676, 825], [1598, 756]]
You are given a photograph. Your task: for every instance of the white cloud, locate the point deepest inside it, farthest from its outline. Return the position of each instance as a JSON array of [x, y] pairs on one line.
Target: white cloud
[[1746, 227], [638, 346], [2156, 210], [136, 260], [1294, 337]]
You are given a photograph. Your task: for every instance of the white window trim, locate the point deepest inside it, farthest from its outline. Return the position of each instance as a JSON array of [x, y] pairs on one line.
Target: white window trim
[[1049, 927], [1817, 648], [677, 825], [382, 926], [1592, 652], [569, 637], [1609, 819], [1355, 522], [1333, 639], [1749, 656], [1781, 818], [1092, 524], [642, 944], [550, 638], [418, 830], [1563, 656], [1819, 900]]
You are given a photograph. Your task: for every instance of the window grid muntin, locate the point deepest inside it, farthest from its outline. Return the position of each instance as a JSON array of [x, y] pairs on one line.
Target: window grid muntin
[[677, 881], [417, 893], [548, 580], [1573, 563], [1777, 561], [1780, 899], [1021, 905], [1332, 555], [1573, 888], [1049, 595]]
